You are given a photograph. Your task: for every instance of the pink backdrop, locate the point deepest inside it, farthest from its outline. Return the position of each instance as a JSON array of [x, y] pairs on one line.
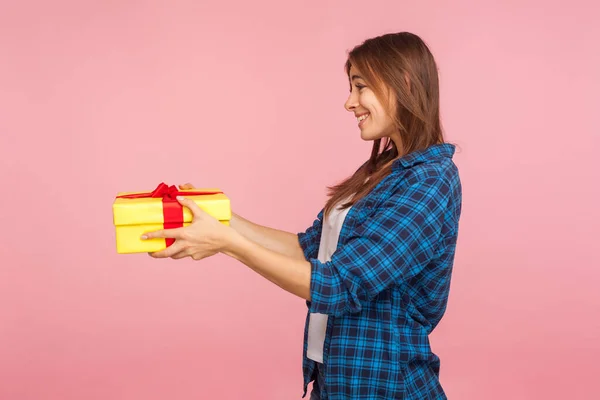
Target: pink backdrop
[[100, 97]]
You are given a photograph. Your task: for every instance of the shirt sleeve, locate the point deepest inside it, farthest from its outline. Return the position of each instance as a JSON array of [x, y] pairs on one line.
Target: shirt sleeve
[[395, 243], [311, 238]]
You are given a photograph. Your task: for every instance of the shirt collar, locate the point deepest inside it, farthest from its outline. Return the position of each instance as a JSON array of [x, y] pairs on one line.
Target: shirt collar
[[432, 153]]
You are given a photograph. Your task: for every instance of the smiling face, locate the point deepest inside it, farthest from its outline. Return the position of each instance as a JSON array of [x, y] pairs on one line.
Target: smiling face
[[373, 118]]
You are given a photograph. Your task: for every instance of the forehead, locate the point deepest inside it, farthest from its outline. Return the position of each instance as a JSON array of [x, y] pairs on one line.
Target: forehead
[[354, 73]]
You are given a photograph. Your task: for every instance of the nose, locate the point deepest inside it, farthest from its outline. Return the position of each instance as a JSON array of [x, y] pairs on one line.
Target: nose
[[351, 102]]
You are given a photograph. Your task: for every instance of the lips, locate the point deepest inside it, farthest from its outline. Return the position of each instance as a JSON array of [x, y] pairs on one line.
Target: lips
[[361, 118]]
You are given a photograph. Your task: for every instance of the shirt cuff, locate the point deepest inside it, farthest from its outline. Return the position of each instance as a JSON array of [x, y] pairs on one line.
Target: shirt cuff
[[304, 244], [321, 288]]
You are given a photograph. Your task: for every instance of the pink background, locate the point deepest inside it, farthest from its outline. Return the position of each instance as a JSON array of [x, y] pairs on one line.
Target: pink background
[[107, 96]]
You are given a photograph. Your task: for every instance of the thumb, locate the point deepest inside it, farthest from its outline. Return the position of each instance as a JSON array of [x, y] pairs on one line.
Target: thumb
[[196, 211]]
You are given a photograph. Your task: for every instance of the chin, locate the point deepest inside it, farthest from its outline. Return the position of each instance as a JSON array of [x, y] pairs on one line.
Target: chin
[[369, 137]]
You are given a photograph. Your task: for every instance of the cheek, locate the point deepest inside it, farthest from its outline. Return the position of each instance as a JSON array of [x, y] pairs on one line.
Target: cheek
[[369, 101], [388, 122], [365, 100], [362, 102]]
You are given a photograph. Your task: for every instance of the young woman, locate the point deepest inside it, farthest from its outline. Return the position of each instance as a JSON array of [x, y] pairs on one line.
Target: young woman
[[375, 266]]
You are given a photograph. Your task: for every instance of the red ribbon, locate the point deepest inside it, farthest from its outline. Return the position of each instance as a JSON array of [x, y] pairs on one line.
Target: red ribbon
[[172, 210]]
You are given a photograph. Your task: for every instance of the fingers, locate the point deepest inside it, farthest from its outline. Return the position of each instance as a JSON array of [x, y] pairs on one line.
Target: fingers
[[170, 251], [186, 186], [182, 254], [176, 233], [185, 252]]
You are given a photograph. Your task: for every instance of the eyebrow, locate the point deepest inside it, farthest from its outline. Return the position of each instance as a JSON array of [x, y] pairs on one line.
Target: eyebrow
[[356, 77]]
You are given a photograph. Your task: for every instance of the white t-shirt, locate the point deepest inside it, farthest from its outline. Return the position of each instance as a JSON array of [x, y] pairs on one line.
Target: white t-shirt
[[317, 325]]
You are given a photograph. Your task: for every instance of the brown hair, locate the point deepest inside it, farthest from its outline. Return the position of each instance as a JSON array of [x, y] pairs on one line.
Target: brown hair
[[403, 74]]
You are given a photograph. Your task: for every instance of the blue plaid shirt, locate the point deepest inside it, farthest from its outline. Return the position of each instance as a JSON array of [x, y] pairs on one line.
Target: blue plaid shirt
[[386, 286]]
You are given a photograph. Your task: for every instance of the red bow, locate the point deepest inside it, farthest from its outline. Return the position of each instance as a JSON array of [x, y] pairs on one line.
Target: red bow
[[172, 210], [166, 192]]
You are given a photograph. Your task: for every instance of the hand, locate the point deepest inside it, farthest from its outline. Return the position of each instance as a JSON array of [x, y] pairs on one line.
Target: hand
[[204, 237]]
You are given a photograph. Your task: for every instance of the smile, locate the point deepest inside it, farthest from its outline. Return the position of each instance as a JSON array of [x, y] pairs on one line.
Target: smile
[[362, 117]]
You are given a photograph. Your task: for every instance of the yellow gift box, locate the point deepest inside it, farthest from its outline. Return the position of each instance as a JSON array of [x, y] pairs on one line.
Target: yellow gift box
[[135, 213]]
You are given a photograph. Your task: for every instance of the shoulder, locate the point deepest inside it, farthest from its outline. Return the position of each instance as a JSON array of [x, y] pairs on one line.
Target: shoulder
[[428, 173], [433, 164], [430, 170], [439, 172]]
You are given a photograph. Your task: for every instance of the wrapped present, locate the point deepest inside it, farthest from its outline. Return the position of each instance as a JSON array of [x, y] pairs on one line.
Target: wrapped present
[[136, 213]]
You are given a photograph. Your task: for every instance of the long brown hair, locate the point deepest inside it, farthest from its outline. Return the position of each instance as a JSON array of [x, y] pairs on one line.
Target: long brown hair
[[403, 74]]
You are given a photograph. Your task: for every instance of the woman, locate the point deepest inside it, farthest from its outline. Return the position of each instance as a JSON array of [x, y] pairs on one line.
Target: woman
[[375, 265]]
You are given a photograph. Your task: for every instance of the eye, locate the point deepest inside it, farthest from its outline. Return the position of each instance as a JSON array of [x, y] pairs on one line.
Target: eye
[[359, 86]]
